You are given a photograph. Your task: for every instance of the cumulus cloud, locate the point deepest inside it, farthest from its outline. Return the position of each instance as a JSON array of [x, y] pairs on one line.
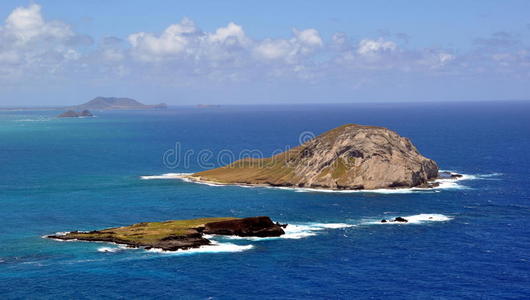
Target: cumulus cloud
[[185, 40], [184, 54], [25, 24], [303, 43], [29, 44], [372, 47]]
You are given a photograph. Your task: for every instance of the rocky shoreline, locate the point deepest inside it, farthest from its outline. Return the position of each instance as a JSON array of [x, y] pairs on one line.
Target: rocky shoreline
[[178, 234], [431, 184]]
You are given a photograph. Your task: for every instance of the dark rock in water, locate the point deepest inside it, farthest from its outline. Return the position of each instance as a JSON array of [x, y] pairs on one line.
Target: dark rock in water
[[449, 175], [400, 219], [69, 114], [255, 226], [384, 221], [281, 225]]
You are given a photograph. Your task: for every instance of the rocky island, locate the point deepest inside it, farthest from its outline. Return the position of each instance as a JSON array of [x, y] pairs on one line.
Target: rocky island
[[178, 234], [348, 157], [116, 103], [74, 114]]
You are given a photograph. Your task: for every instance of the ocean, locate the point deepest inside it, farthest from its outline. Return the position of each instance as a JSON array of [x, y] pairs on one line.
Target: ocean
[[467, 239]]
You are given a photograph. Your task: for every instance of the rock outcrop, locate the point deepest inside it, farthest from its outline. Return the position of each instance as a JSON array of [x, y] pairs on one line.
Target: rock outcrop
[[74, 114], [256, 226], [177, 235], [348, 157], [397, 219]]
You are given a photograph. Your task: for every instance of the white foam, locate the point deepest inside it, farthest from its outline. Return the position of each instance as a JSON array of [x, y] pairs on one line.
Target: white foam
[[167, 176], [214, 247], [443, 184], [43, 119], [414, 219], [118, 248], [294, 231], [108, 249]]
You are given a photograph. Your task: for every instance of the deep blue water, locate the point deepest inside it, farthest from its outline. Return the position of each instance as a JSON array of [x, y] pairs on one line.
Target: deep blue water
[[68, 174]]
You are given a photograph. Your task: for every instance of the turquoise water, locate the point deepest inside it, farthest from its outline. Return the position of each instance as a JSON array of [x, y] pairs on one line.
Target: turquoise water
[[82, 174]]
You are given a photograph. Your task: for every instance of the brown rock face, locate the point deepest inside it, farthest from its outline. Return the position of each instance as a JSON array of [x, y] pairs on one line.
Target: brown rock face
[[255, 226], [347, 157]]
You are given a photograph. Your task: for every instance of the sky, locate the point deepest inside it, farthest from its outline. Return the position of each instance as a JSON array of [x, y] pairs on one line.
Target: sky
[[61, 52]]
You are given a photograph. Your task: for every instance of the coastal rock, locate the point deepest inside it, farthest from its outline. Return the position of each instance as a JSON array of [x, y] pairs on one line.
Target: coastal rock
[[400, 219], [449, 175], [255, 226], [397, 219], [348, 157]]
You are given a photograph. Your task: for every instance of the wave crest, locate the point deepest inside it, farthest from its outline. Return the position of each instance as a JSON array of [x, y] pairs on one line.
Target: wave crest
[[414, 219]]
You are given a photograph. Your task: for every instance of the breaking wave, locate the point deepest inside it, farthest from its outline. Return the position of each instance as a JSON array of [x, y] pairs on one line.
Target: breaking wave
[[113, 249], [414, 219], [294, 231], [214, 247], [167, 176]]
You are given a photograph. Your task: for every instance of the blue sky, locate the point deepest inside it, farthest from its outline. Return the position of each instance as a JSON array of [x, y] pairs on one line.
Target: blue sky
[[66, 52]]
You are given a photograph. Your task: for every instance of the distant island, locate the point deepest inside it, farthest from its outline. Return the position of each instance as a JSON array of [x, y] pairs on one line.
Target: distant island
[[349, 157], [178, 234], [207, 105], [114, 103], [98, 103], [73, 114]]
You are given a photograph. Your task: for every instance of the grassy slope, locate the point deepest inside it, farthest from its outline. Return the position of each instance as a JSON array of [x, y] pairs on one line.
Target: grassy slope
[[147, 233], [278, 169]]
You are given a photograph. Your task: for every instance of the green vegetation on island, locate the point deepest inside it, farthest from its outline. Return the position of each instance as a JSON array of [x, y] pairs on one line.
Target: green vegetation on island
[[177, 234]]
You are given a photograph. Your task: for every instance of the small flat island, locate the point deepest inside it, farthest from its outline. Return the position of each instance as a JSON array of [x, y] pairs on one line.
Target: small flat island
[[73, 114], [349, 157], [178, 234]]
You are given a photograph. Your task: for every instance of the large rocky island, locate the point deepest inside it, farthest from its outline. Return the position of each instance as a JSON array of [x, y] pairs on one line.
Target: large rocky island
[[115, 103], [347, 157], [178, 234]]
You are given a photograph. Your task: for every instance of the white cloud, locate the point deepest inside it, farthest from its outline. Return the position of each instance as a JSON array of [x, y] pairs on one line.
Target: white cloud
[[370, 47], [173, 41], [185, 40], [303, 43], [25, 24], [33, 46], [232, 34]]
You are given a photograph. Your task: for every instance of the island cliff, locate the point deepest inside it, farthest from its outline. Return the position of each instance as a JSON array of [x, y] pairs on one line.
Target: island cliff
[[178, 234], [347, 157]]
